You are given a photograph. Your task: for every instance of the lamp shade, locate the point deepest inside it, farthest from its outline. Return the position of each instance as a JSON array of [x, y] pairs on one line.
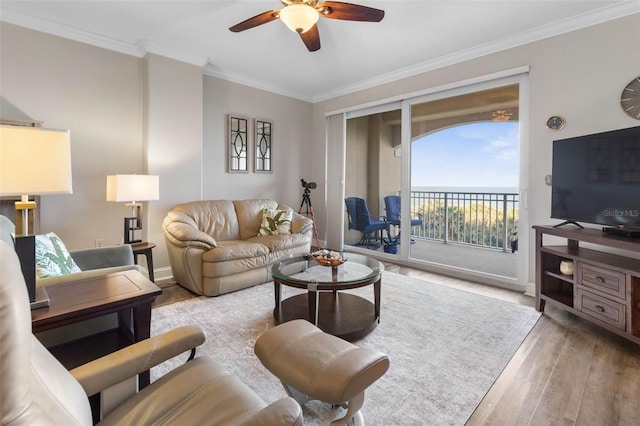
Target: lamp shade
[[299, 18], [131, 188], [34, 161]]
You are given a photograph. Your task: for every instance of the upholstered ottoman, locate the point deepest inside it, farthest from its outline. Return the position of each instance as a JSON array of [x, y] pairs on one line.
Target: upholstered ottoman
[[312, 364]]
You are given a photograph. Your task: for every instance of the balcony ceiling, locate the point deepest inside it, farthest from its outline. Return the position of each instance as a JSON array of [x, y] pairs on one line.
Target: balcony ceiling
[[415, 36]]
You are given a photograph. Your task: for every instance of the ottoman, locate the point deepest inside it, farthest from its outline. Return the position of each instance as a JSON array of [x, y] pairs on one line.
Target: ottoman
[[314, 365]]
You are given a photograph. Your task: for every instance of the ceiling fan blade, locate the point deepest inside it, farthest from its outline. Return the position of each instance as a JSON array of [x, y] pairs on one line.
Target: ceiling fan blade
[[263, 18], [349, 11], [311, 38]]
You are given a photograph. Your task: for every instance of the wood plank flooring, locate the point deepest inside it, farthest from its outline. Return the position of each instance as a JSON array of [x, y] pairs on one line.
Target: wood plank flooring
[[566, 372]]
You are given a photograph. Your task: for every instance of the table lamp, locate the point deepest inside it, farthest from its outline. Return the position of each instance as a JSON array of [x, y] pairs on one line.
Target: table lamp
[[33, 161], [132, 189]]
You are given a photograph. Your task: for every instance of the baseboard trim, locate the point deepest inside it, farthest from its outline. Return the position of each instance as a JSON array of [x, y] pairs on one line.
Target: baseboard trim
[[163, 275]]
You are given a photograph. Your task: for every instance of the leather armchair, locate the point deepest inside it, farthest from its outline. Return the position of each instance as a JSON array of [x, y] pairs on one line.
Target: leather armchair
[[92, 261], [37, 389]]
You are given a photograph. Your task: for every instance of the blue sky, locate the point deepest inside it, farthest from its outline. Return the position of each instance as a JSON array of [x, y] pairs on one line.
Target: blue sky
[[473, 155]]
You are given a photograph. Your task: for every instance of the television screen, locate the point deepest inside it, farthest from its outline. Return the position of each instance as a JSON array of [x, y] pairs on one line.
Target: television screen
[[596, 179]]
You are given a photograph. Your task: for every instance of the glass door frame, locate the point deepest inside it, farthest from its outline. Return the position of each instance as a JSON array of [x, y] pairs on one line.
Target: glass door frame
[[519, 283], [508, 77]]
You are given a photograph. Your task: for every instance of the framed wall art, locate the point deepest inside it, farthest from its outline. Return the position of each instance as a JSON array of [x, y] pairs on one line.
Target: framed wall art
[[238, 144], [263, 146]]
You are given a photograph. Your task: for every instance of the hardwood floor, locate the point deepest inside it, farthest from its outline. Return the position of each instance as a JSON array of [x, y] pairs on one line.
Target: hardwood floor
[[567, 371]]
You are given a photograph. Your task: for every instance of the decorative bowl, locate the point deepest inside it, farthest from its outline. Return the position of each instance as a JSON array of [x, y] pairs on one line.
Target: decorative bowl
[[566, 267], [327, 257]]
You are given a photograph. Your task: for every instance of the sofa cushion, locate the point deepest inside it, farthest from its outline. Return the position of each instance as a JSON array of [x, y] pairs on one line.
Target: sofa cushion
[[249, 214], [235, 266], [276, 222], [52, 257], [275, 243], [236, 249]]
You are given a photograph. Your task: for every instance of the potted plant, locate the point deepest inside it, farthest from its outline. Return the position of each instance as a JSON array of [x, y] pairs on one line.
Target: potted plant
[[390, 244]]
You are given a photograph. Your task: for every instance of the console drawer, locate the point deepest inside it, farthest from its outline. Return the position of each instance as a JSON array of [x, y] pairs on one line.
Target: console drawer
[[603, 280], [600, 308]]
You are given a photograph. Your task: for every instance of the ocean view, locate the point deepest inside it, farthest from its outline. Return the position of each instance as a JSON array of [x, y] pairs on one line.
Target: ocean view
[[468, 189], [474, 157]]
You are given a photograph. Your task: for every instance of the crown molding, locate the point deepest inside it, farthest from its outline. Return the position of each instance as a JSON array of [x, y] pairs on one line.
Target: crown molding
[[141, 48], [608, 13], [63, 31], [146, 46], [214, 71]]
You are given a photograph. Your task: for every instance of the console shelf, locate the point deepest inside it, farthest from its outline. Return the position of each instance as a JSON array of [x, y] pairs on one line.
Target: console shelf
[[604, 288]]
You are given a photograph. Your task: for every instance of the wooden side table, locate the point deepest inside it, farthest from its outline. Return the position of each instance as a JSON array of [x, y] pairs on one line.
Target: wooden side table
[[146, 250], [127, 293]]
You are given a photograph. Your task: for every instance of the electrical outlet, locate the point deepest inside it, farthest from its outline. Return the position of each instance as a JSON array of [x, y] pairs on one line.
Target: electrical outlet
[[99, 242]]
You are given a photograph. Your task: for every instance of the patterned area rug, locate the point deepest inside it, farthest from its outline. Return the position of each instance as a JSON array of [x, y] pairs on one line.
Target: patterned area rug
[[446, 347]]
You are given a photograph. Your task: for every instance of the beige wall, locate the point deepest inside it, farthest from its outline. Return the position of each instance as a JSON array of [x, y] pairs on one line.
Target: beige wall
[[578, 75], [97, 94], [172, 142], [152, 115], [291, 144]]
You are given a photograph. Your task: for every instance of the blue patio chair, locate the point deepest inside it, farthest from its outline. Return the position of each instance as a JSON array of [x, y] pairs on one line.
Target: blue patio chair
[[392, 207], [360, 220]]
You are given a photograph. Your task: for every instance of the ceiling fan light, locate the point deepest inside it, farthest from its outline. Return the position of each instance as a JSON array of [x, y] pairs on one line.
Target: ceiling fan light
[[299, 18]]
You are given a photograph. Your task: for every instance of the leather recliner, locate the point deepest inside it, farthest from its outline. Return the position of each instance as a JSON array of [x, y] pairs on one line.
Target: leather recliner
[[36, 389]]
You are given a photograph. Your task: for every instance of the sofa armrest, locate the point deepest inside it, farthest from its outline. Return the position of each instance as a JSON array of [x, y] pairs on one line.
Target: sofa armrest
[[182, 234], [300, 224], [103, 257], [285, 411], [109, 370]]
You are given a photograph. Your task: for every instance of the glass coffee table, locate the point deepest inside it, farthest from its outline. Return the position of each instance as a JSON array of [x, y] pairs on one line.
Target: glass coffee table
[[325, 303]]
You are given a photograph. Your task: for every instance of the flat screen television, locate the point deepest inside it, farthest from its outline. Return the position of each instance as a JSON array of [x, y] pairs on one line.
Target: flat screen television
[[596, 179]]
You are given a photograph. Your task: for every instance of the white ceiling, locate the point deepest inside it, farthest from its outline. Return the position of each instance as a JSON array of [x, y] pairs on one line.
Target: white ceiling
[[413, 37]]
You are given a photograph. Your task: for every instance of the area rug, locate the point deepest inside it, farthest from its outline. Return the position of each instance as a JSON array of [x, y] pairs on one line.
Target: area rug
[[446, 347]]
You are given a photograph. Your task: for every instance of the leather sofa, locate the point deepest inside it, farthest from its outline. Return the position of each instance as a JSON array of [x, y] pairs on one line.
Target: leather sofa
[[214, 246]]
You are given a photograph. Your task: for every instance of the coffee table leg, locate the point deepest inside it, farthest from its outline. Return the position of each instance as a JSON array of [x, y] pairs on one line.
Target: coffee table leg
[[276, 292], [312, 292], [376, 296]]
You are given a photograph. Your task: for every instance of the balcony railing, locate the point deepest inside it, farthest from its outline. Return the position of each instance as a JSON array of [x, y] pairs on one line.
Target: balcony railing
[[479, 219]]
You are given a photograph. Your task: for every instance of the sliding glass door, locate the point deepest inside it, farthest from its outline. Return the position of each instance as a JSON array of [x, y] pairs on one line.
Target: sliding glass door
[[436, 180], [372, 172], [464, 180]]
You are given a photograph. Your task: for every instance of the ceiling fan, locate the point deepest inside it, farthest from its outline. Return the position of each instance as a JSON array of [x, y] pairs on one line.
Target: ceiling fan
[[301, 17]]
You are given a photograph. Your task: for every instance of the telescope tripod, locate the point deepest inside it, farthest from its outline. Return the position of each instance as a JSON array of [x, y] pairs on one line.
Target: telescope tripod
[[306, 202]]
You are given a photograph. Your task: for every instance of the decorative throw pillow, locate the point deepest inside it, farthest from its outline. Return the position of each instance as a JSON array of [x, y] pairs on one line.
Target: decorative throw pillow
[[52, 257], [276, 222]]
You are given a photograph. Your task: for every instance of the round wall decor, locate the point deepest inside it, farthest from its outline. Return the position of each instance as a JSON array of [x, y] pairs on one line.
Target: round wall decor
[[555, 122], [630, 99]]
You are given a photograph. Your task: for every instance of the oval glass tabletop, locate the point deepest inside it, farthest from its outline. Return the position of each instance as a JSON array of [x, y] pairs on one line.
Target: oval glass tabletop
[[305, 270]]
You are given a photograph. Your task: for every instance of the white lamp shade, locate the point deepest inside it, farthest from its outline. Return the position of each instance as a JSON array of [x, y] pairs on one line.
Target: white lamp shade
[[299, 18], [130, 188], [34, 161]]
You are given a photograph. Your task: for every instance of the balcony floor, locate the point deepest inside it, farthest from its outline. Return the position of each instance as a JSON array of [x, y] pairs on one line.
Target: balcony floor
[[489, 261]]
